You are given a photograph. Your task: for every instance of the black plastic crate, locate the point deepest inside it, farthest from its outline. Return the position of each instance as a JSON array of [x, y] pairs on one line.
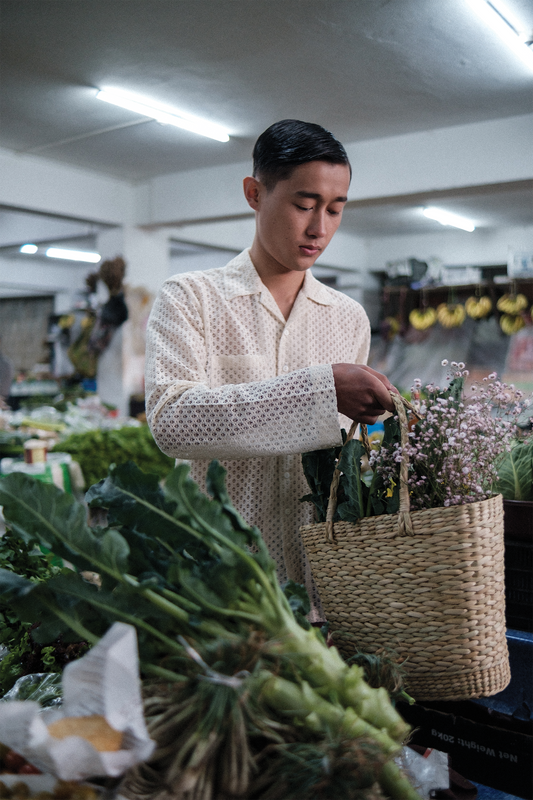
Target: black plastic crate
[[484, 745], [516, 620], [519, 555], [520, 596], [519, 584]]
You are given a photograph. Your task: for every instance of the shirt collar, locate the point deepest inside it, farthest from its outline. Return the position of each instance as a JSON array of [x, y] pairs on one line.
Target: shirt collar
[[242, 279], [317, 291]]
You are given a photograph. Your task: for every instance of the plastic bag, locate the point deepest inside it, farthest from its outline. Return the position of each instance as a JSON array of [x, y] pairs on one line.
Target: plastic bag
[[43, 687], [427, 772]]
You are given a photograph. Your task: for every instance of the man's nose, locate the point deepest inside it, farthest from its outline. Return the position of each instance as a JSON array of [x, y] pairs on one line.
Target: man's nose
[[317, 225]]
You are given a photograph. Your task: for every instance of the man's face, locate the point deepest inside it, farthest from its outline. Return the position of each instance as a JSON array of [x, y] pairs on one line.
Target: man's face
[[297, 218]]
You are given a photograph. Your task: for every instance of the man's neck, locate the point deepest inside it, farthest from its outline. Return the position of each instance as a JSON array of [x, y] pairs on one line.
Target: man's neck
[[283, 285]]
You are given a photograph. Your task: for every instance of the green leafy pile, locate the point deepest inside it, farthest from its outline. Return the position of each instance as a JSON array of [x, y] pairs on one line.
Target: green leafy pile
[[244, 682], [24, 656], [11, 443], [355, 497], [96, 450]]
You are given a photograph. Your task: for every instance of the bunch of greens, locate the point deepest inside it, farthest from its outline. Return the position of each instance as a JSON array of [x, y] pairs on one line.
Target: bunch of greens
[[24, 656], [213, 625], [96, 450], [356, 497], [515, 473], [11, 443]]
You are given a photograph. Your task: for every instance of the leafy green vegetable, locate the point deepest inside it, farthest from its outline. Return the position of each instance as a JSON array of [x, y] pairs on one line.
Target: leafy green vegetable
[[354, 490], [186, 569], [24, 655], [515, 474], [319, 466], [355, 498], [42, 688], [18, 557], [96, 450], [383, 498]]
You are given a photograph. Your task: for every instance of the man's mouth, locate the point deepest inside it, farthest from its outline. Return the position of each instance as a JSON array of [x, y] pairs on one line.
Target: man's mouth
[[309, 249]]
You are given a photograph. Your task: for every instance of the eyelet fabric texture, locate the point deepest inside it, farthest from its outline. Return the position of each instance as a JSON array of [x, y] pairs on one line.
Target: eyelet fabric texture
[[228, 377]]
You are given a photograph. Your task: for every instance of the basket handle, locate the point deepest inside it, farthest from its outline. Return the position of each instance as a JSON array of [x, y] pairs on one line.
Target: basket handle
[[405, 525]]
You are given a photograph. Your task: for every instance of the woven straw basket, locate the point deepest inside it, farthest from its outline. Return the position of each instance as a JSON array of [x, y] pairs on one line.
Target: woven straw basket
[[427, 585]]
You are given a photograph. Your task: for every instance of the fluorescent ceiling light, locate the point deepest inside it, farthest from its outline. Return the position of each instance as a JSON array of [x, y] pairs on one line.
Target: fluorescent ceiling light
[[445, 218], [73, 255], [165, 115], [499, 18], [30, 249]]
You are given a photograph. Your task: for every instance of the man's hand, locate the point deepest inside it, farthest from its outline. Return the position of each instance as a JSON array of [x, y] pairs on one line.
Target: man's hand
[[362, 393]]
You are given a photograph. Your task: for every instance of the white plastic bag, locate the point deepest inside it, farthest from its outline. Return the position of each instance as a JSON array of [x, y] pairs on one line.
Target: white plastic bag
[[105, 682], [427, 772]]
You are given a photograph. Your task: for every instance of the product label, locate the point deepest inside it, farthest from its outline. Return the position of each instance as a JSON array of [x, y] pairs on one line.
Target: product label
[[470, 744]]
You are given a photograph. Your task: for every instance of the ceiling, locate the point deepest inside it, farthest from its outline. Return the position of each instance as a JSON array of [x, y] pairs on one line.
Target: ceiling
[[363, 68]]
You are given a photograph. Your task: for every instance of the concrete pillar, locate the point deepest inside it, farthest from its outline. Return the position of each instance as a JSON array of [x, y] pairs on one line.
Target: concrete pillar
[[121, 365]]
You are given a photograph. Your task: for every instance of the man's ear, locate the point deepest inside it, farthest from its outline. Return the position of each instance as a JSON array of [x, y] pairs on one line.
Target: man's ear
[[252, 191]]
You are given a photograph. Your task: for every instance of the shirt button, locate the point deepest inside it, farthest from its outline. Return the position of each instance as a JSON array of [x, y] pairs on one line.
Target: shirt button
[[287, 511], [285, 332], [285, 368], [287, 475]]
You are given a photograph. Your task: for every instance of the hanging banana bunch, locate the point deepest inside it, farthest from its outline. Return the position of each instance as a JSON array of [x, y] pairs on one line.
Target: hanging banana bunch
[[451, 315], [478, 306], [422, 318], [510, 323], [513, 306], [512, 303]]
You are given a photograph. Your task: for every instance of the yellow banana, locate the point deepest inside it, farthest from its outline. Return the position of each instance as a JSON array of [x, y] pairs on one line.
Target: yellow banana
[[511, 324], [478, 307], [512, 303], [422, 319], [451, 315]]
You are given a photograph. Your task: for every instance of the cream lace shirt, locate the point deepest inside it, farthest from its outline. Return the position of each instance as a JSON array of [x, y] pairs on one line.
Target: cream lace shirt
[[228, 377]]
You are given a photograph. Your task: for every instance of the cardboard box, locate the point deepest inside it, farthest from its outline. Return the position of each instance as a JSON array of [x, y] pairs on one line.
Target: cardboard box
[[484, 745]]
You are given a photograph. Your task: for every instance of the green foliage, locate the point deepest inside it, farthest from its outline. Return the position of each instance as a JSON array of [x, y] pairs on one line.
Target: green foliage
[[18, 558], [383, 498], [356, 498], [96, 450], [11, 443], [298, 601], [515, 474], [354, 490], [188, 572], [319, 466], [159, 541]]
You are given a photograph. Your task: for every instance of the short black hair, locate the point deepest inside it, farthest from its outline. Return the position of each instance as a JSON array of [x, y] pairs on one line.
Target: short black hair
[[288, 143]]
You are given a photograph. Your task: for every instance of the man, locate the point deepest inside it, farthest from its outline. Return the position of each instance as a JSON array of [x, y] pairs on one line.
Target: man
[[258, 362]]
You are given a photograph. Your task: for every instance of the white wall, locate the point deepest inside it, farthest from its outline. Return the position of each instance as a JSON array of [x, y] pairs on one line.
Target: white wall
[[34, 183], [452, 247], [464, 155], [28, 276], [193, 262], [496, 151], [477, 154]]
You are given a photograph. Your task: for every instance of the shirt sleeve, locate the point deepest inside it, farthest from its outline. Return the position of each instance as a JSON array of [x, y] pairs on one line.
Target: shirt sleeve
[[281, 415]]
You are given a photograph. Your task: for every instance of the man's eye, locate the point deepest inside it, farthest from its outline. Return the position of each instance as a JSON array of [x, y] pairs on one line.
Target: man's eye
[[303, 208]]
